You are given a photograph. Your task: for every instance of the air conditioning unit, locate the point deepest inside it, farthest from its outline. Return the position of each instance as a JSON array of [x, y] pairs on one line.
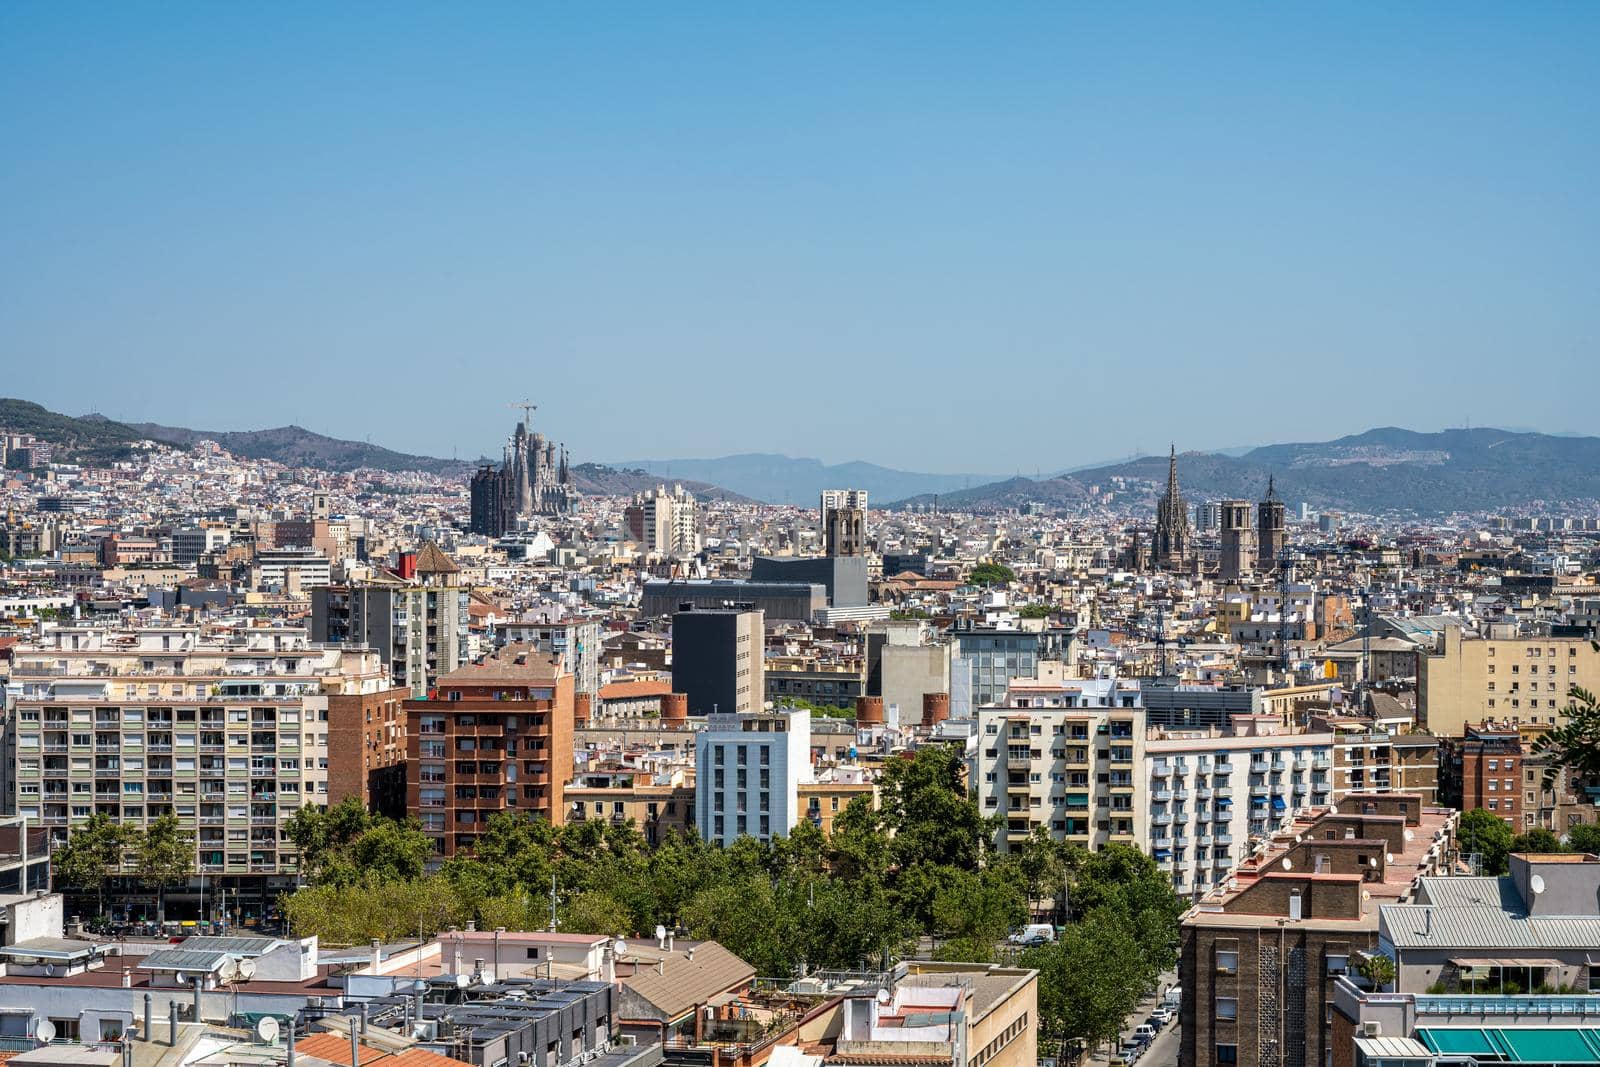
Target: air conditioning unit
[[1372, 1028], [627, 1040]]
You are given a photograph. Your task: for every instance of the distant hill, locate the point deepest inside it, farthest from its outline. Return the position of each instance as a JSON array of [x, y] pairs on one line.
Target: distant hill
[[597, 479], [87, 440], [295, 446], [1385, 469], [778, 479]]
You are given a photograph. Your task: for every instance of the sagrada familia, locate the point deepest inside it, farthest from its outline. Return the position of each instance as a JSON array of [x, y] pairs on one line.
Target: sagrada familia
[[532, 480]]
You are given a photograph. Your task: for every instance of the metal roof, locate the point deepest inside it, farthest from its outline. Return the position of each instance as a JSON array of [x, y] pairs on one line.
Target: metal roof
[[233, 946], [182, 959], [51, 948], [1480, 913]]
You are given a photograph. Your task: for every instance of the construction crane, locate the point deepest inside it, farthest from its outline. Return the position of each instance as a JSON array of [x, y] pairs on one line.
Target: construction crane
[[528, 408]]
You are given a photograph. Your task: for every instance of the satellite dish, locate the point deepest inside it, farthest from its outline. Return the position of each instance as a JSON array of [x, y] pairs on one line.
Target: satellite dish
[[267, 1029], [1536, 883], [1288, 864], [1388, 857], [1372, 861], [45, 1031], [1409, 835], [620, 947], [229, 970], [661, 932], [182, 979], [1333, 809], [49, 970], [246, 970], [883, 996]]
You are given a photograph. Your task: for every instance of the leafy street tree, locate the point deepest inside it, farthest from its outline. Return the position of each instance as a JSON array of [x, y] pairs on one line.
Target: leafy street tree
[[1574, 746], [1091, 980], [92, 855], [320, 833], [1584, 837], [1537, 840], [1486, 834], [164, 855]]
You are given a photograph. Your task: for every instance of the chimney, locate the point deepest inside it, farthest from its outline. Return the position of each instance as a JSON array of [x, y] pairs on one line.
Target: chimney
[[127, 978], [377, 956]]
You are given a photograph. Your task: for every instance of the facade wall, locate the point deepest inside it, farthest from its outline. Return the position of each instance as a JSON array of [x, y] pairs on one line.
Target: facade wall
[[1519, 681]]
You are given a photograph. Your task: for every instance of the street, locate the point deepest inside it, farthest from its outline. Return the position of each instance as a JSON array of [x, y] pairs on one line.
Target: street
[[1163, 1051]]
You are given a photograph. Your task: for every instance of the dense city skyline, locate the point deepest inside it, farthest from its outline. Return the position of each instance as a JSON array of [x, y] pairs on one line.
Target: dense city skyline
[[716, 213]]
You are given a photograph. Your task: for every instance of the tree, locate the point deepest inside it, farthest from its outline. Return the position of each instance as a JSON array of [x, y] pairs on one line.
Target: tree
[[320, 833], [991, 573], [1574, 746], [1034, 611], [1378, 969], [925, 808], [163, 855], [978, 906], [1091, 980], [1584, 837], [92, 855], [1485, 834], [1537, 840]]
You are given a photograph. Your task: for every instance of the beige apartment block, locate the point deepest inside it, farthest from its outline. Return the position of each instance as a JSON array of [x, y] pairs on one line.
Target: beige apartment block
[[1517, 681]]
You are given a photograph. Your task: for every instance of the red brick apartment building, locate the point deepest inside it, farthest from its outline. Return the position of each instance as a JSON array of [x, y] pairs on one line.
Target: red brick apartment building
[[495, 736]]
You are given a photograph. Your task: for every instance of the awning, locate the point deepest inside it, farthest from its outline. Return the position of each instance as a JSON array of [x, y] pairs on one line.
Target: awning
[[1278, 804], [1505, 963], [1224, 802], [1163, 853]]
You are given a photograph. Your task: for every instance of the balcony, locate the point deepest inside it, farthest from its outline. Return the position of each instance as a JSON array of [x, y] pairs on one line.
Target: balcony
[[1161, 819], [1203, 793], [1160, 770], [1260, 766], [1182, 794], [1161, 796]]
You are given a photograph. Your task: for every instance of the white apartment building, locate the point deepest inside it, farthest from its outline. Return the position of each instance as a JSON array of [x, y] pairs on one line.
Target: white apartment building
[[665, 523], [1213, 792], [747, 772], [1067, 755], [224, 726]]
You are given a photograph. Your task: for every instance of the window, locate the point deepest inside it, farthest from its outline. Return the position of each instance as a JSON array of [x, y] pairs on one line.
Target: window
[[1227, 963], [1227, 1007], [1227, 1054]]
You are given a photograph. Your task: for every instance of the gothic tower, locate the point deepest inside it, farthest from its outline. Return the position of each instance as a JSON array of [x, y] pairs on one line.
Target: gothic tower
[[1269, 530], [1171, 549]]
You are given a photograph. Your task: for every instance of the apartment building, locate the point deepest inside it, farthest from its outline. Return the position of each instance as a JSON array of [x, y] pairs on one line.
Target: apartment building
[[987, 659], [497, 738], [367, 750], [1213, 793], [658, 804], [1367, 760], [577, 641], [1484, 770], [1264, 953], [748, 769], [1468, 679], [225, 727], [420, 625], [1067, 756]]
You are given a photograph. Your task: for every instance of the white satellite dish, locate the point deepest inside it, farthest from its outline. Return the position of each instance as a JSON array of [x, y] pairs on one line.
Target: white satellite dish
[[1536, 883], [661, 932], [620, 947], [1409, 835], [182, 979], [1389, 857], [229, 969], [267, 1029], [45, 1031], [247, 970], [1333, 809], [1288, 864]]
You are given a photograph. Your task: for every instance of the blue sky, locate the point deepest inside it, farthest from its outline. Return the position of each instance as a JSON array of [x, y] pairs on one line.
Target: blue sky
[[935, 236]]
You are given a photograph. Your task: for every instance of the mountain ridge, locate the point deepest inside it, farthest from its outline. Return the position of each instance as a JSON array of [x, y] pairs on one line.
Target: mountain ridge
[[1386, 468], [775, 478]]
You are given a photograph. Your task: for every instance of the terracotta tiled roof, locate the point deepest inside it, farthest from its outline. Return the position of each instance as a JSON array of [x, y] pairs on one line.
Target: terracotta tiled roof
[[634, 690], [432, 560]]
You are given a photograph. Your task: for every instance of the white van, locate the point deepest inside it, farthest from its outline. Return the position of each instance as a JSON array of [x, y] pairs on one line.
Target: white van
[[1034, 934], [1173, 998]]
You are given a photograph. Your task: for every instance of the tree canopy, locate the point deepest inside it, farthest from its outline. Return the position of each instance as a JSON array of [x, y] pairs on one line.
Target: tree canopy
[[991, 573]]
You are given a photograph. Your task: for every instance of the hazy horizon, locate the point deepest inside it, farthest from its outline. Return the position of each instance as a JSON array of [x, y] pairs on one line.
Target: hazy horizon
[[932, 237]]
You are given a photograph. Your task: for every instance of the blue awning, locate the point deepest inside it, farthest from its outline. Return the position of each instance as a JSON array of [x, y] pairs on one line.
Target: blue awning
[[1163, 853], [1223, 802], [1278, 804]]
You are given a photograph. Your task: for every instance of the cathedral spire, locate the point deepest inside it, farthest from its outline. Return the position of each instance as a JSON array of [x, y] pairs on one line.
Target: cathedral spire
[[1172, 471], [1272, 494]]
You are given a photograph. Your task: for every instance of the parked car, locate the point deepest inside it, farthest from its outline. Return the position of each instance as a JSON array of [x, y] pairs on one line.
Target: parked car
[[1161, 1017], [1144, 1032]]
